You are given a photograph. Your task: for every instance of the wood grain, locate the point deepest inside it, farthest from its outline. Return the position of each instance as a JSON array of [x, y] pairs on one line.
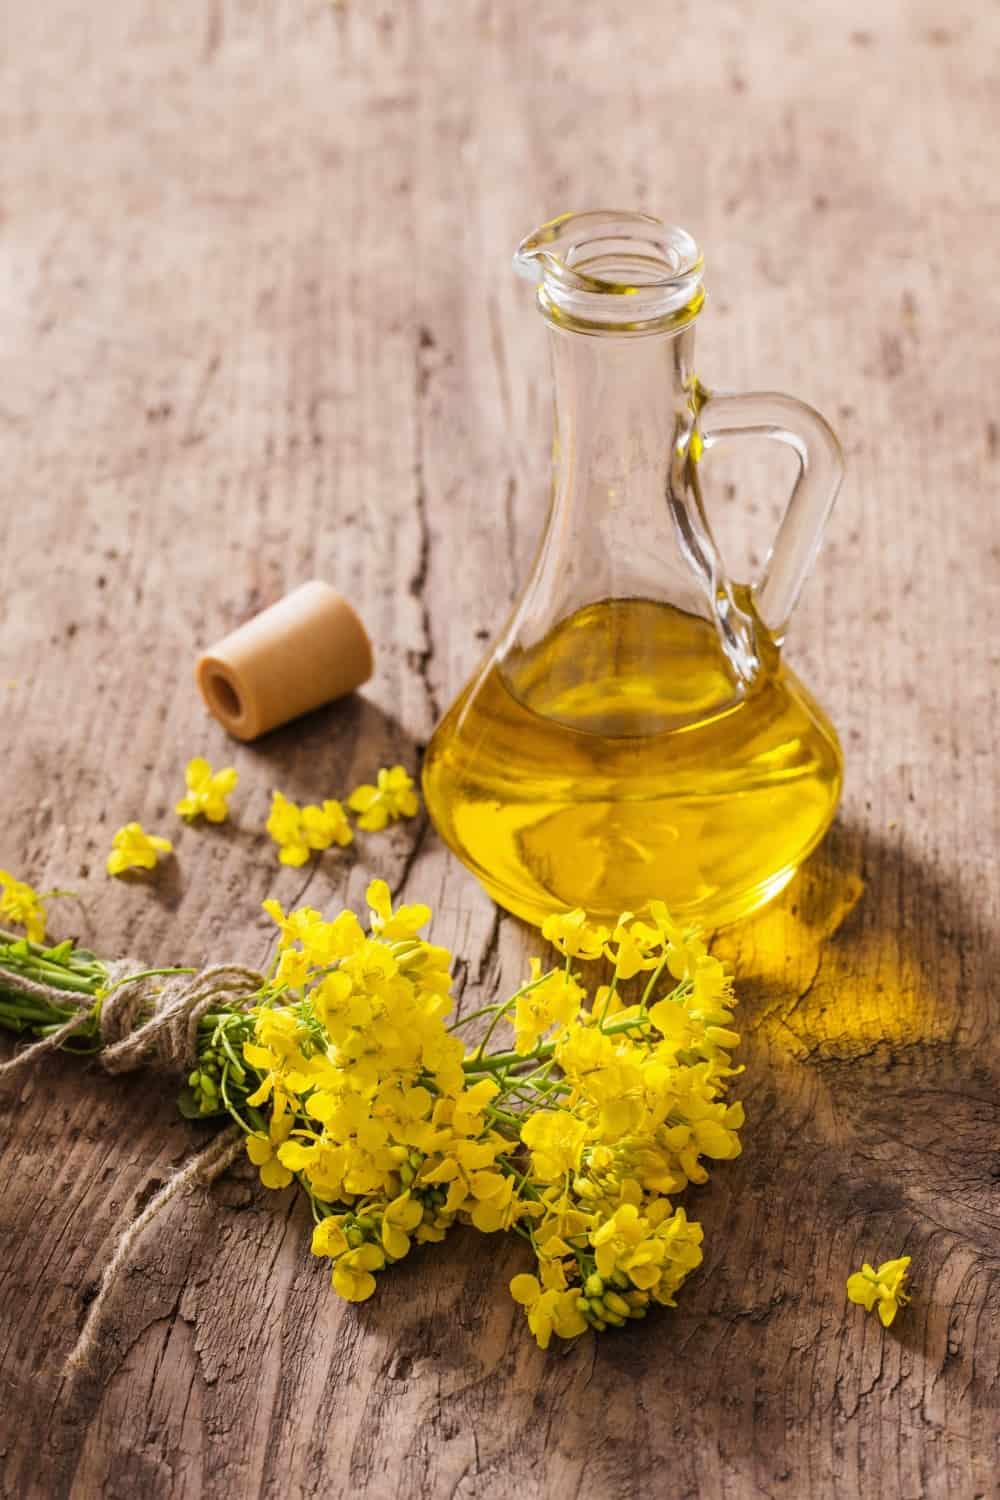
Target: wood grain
[[258, 325]]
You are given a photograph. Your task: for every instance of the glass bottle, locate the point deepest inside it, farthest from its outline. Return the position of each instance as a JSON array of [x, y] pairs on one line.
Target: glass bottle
[[635, 733]]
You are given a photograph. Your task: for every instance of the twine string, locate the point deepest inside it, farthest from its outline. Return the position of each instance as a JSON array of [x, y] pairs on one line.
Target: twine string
[[172, 1007]]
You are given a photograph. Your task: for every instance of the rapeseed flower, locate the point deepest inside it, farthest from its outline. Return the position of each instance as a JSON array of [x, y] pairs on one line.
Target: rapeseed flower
[[21, 904], [134, 849], [298, 831], [883, 1287], [549, 1311], [208, 791], [262, 1151], [573, 935], [392, 798]]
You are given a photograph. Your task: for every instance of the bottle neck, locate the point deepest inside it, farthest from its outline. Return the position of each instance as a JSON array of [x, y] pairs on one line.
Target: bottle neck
[[626, 521]]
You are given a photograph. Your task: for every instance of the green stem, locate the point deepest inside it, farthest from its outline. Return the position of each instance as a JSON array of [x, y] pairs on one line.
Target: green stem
[[56, 978], [500, 1060], [505, 1116], [497, 1010], [230, 1106]]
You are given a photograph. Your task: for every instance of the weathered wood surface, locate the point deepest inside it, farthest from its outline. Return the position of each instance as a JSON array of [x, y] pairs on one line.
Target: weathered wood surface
[[258, 324]]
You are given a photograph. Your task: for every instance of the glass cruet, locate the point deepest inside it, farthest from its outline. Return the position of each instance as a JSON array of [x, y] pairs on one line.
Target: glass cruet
[[635, 733]]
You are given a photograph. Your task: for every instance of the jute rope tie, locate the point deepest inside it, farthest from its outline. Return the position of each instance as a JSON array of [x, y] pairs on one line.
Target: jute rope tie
[[173, 1006]]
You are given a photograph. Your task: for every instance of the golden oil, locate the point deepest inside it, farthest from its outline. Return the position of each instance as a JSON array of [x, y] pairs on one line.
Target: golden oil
[[621, 759]]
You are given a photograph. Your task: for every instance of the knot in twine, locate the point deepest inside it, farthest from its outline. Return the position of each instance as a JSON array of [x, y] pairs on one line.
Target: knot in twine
[[169, 1037], [141, 1017]]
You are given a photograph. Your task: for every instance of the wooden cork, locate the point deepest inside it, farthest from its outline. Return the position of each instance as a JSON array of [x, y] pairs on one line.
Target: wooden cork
[[304, 651]]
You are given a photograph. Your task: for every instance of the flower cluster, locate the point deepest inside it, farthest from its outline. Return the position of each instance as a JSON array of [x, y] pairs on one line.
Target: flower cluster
[[639, 1107], [299, 830], [208, 791], [369, 1102], [393, 798], [578, 1138]]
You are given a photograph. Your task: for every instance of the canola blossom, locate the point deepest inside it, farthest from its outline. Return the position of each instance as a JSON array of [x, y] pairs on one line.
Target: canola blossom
[[299, 831], [134, 849], [208, 791], [21, 904], [882, 1288], [394, 796]]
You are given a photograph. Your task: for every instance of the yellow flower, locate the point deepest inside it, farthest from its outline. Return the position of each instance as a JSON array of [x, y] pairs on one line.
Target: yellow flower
[[207, 791], [548, 1311], [294, 924], [263, 1152], [637, 946], [555, 1140], [21, 904], [134, 849], [552, 1001], [299, 830], [294, 968], [684, 947], [884, 1286], [394, 797], [573, 935], [400, 1218], [623, 1243], [352, 1277], [405, 922], [328, 1238]]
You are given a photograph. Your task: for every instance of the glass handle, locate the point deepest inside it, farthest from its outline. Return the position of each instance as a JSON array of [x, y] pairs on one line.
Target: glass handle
[[821, 468]]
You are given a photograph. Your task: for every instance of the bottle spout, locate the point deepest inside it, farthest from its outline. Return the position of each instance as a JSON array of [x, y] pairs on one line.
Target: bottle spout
[[611, 268], [544, 248]]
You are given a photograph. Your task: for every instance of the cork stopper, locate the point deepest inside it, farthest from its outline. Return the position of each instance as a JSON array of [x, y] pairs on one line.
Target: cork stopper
[[304, 651]]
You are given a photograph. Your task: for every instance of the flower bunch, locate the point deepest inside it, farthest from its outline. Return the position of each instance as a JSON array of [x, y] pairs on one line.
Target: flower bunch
[[348, 1074], [577, 1138]]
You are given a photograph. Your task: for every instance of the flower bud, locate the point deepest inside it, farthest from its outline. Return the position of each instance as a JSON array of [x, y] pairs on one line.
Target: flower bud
[[594, 1285]]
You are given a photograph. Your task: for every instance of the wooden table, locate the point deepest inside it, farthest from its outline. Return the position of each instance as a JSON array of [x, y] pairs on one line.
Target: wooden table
[[259, 325]]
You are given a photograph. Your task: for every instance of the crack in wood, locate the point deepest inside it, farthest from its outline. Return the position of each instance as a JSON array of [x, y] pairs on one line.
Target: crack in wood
[[422, 657]]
